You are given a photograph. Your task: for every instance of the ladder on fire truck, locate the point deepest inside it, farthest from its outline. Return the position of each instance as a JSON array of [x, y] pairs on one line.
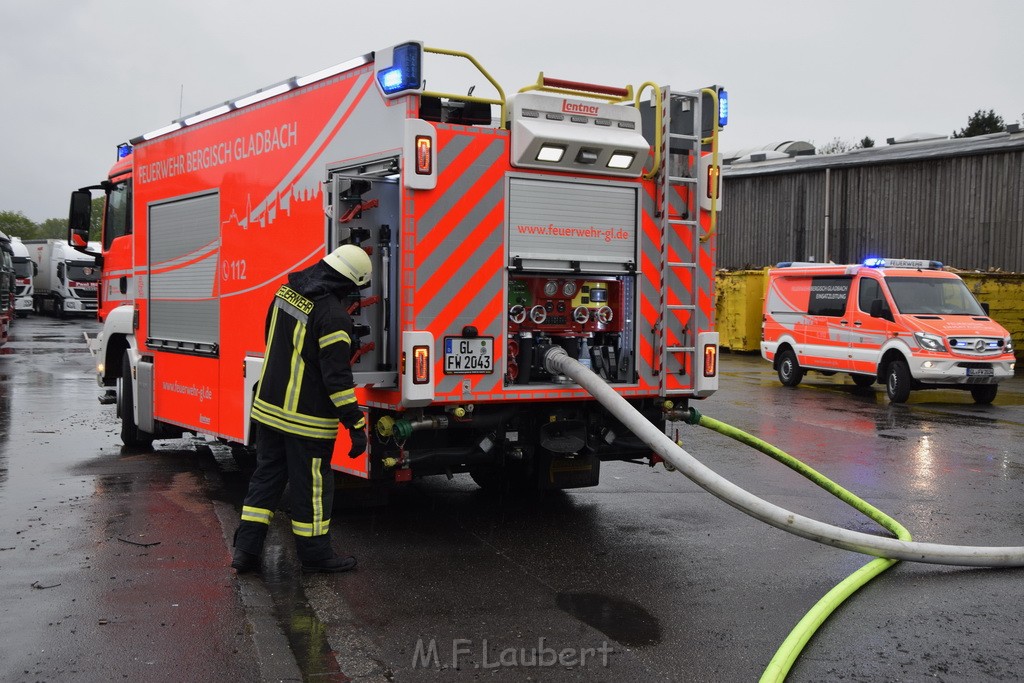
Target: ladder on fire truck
[[680, 238]]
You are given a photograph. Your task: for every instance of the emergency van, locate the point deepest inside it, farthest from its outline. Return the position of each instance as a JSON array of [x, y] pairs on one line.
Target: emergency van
[[903, 322], [569, 214]]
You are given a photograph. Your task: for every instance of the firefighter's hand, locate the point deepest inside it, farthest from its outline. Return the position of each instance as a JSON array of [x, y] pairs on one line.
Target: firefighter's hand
[[358, 437]]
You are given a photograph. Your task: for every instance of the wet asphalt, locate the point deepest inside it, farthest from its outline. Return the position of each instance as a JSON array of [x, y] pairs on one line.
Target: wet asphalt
[[114, 565]]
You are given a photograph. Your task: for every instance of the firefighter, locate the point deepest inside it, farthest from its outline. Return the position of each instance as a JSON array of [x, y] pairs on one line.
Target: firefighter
[[305, 390]]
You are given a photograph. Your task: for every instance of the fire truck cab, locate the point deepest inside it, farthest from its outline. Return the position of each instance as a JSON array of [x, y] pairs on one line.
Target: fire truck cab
[[903, 322], [569, 214]]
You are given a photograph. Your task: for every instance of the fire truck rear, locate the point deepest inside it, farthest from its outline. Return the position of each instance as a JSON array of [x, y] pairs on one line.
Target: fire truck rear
[[570, 215]]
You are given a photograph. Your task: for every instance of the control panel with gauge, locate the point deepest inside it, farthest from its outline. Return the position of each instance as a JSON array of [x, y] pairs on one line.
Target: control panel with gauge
[[582, 314]]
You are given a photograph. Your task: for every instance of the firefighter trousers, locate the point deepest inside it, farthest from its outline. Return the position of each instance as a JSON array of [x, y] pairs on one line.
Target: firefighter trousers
[[303, 464]]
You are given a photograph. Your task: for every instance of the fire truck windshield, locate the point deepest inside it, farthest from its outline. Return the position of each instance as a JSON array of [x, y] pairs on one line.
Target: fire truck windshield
[[83, 273], [935, 296], [118, 209]]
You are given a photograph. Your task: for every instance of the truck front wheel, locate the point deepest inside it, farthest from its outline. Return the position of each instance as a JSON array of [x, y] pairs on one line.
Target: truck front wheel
[[131, 435], [897, 382]]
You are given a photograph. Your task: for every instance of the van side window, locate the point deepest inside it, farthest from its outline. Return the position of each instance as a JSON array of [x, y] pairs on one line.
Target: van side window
[[869, 291], [828, 295]]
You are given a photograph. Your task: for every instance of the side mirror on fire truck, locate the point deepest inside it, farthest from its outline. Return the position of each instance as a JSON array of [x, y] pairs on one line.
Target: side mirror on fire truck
[[80, 218]]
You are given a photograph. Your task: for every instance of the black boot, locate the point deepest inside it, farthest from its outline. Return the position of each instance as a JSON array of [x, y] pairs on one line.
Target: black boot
[[331, 565], [316, 555], [248, 544]]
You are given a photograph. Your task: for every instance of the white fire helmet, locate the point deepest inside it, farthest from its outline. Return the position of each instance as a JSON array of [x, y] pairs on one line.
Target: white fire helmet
[[351, 262]]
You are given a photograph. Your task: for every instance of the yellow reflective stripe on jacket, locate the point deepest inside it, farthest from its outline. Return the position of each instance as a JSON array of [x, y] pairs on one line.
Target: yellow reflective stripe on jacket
[[360, 424], [292, 427], [343, 398], [335, 337], [306, 529], [291, 396], [261, 515], [301, 418]]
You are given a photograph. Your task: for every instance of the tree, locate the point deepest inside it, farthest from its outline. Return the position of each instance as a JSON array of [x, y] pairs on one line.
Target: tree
[[96, 220], [982, 122], [837, 146], [53, 228], [17, 224], [840, 146]]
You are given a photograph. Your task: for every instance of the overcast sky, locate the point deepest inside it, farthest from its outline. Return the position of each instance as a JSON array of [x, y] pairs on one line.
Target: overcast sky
[[80, 76]]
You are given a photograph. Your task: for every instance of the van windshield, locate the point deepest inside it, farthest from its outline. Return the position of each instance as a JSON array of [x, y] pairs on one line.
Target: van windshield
[[935, 296]]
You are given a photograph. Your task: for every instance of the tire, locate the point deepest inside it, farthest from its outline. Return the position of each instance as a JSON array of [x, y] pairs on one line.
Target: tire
[[863, 381], [984, 394], [790, 372], [897, 382], [131, 435]]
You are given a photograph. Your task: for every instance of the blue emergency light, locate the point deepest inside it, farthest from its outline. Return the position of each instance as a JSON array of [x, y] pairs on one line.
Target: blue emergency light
[[404, 74], [123, 150], [723, 107]]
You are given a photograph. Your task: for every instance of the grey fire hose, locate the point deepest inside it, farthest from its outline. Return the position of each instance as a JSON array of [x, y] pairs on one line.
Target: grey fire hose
[[558, 362]]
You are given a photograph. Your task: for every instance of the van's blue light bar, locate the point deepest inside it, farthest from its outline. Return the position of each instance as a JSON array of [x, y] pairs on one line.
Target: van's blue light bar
[[875, 262], [404, 74], [723, 107]]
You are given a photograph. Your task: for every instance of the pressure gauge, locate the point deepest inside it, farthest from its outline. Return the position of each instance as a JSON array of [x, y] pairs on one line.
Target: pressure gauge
[[569, 288], [550, 288]]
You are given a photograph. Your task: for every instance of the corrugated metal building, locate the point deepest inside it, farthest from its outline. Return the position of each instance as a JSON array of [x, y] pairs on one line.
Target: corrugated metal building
[[958, 201]]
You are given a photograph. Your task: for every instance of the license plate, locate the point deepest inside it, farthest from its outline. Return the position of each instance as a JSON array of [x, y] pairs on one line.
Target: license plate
[[468, 355], [980, 372]]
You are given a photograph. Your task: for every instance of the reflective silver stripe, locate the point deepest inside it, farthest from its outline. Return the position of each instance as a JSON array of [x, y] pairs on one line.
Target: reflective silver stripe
[[335, 337], [291, 310], [261, 515]]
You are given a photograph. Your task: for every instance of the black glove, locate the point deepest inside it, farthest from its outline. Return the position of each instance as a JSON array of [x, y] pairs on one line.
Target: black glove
[[358, 437]]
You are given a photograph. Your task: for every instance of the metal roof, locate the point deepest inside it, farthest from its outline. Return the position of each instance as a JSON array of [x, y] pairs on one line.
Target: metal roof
[[903, 152]]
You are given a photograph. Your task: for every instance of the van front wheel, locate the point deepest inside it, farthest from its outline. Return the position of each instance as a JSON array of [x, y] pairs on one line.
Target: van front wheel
[[897, 382], [790, 372], [984, 394]]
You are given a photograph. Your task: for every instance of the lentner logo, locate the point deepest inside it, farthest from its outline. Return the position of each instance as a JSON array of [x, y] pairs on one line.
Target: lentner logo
[[579, 108]]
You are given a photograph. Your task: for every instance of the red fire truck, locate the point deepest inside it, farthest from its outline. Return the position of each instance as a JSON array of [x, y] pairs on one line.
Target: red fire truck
[[569, 214]]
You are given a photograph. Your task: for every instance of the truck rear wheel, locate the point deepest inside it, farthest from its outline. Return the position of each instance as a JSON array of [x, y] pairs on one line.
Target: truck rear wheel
[[897, 382], [131, 435], [790, 372], [984, 394]]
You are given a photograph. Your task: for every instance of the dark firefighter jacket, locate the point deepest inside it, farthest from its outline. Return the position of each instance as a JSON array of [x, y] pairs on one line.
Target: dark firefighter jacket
[[306, 387]]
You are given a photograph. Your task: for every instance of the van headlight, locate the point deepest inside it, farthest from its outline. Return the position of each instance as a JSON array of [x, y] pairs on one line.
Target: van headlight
[[930, 342], [1008, 345]]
